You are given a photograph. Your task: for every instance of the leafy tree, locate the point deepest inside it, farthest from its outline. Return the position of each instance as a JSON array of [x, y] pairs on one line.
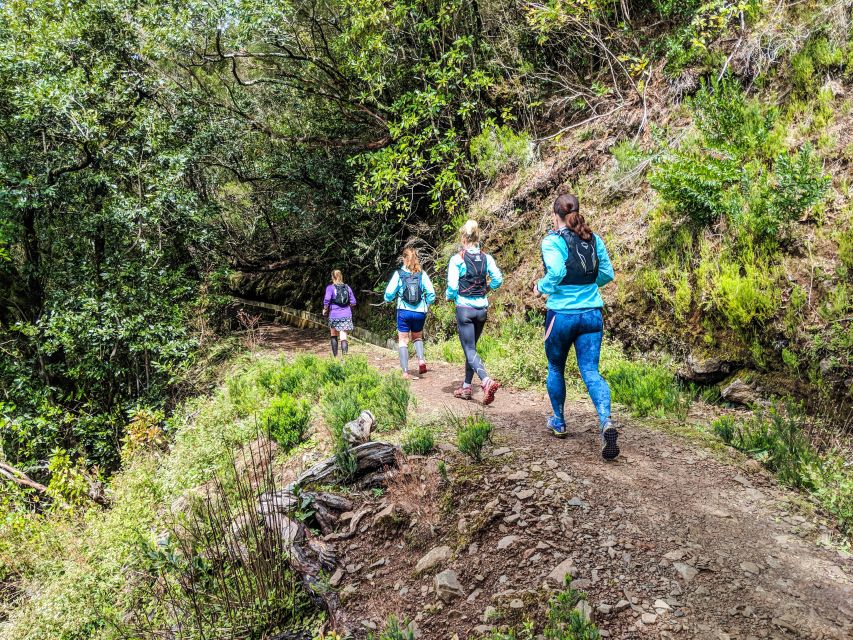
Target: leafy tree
[[101, 230]]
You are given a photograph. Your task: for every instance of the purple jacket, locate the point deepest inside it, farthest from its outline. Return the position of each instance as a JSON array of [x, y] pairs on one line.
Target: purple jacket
[[336, 312]]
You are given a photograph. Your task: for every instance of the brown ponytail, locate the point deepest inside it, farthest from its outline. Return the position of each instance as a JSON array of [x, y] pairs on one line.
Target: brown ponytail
[[567, 209], [410, 260]]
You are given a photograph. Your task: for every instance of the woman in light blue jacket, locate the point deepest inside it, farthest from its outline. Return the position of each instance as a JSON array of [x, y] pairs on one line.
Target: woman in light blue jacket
[[471, 274], [414, 292], [576, 265]]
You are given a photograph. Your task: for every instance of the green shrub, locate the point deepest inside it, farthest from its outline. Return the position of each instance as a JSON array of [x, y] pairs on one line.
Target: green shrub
[[775, 437], [392, 403], [627, 155], [738, 169], [647, 389], [286, 420], [243, 394], [724, 428], [419, 440], [565, 622], [745, 292], [697, 188], [499, 148], [395, 630], [472, 433], [810, 64], [844, 238], [341, 404]]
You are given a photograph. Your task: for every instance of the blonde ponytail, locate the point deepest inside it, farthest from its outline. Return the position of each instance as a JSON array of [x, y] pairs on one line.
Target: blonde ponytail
[[470, 232]]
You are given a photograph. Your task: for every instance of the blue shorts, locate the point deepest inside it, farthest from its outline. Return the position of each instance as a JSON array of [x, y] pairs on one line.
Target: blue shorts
[[410, 321]]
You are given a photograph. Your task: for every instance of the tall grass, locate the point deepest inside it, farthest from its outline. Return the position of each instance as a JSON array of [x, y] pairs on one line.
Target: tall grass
[[514, 353], [776, 438], [78, 573]]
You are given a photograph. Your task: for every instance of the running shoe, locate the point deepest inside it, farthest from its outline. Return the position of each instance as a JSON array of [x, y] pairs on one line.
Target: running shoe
[[489, 390], [557, 427], [407, 375], [422, 368], [463, 393], [609, 447]]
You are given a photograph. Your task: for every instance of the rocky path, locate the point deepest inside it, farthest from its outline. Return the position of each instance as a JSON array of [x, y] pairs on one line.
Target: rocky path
[[668, 542]]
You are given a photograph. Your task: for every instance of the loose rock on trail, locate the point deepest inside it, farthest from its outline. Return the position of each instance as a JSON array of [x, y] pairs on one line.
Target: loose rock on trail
[[668, 541]]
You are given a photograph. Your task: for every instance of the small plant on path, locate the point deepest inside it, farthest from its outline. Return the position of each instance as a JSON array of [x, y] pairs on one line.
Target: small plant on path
[[419, 440], [472, 433]]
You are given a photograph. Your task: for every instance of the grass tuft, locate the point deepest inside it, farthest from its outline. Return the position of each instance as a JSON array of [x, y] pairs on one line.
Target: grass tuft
[[419, 440], [472, 433]]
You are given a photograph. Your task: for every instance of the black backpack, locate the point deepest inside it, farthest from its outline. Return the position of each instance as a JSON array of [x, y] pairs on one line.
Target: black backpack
[[582, 263], [341, 297], [473, 283], [411, 292]]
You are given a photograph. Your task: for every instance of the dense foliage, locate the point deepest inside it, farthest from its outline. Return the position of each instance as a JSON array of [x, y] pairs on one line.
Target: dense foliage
[[149, 148]]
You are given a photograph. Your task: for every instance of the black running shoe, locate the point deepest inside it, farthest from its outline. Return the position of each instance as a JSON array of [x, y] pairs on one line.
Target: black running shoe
[[609, 447]]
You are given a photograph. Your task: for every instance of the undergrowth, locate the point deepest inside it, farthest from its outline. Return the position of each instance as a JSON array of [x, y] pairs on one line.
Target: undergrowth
[[419, 440], [564, 620], [777, 438], [78, 569], [472, 434], [514, 353]]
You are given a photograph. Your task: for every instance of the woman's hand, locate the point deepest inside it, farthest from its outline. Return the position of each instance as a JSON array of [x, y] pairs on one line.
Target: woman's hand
[[536, 290], [325, 310]]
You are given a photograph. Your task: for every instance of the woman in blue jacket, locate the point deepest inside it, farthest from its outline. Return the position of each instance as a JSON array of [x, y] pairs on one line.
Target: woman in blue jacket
[[414, 293], [471, 274], [576, 265]]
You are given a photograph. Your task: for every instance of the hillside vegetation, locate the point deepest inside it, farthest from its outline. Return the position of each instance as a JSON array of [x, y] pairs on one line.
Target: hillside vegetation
[[157, 158]]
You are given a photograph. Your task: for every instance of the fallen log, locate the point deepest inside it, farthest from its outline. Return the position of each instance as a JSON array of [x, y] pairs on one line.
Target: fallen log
[[312, 558], [370, 456]]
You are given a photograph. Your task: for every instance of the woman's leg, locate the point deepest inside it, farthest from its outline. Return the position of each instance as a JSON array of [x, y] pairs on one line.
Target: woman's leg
[[557, 350], [334, 342], [418, 340], [344, 342], [469, 324], [588, 351], [403, 348]]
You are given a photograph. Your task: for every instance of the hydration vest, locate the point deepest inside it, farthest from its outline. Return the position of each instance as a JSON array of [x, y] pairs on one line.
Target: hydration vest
[[411, 291], [473, 283], [341, 297], [582, 262]]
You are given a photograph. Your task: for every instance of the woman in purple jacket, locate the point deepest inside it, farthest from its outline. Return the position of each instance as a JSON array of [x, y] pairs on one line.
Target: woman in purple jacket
[[337, 304]]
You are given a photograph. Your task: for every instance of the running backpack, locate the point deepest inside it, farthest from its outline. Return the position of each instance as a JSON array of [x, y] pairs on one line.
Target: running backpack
[[411, 291], [582, 263], [341, 297], [473, 283]]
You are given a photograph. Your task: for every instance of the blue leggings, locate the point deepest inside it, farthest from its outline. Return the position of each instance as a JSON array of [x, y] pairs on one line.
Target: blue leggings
[[584, 330]]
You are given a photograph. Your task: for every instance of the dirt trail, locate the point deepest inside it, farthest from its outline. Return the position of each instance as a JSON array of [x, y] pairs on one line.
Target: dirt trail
[[691, 546]]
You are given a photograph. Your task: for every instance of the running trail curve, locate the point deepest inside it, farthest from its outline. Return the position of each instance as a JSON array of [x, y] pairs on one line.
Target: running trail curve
[[668, 541]]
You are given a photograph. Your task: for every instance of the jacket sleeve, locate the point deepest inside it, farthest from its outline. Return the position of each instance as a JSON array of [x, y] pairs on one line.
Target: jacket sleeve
[[393, 287], [452, 292], [327, 298], [352, 300], [496, 277], [605, 267], [555, 265], [429, 290]]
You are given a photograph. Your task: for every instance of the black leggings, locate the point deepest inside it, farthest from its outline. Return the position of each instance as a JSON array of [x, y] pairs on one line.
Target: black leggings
[[469, 324]]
